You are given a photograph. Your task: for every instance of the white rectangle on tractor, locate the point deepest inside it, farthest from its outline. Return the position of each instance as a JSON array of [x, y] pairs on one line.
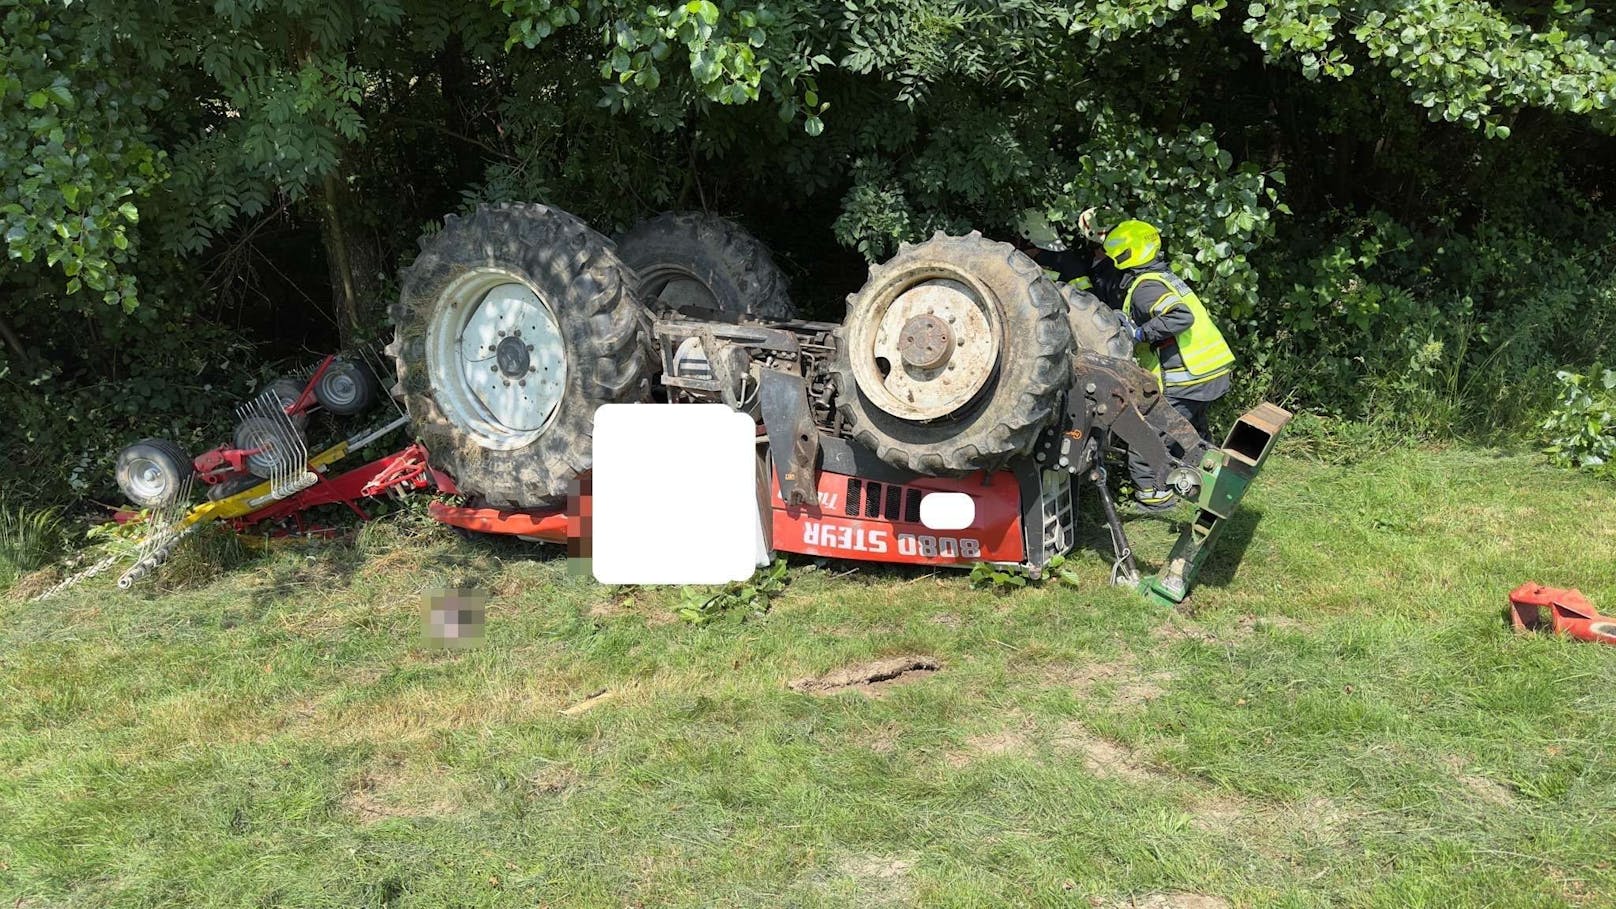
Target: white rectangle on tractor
[[675, 495]]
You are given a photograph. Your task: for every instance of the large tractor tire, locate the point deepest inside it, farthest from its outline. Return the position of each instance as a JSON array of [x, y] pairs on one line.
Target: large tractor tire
[[1096, 327], [686, 262], [512, 326], [953, 356]]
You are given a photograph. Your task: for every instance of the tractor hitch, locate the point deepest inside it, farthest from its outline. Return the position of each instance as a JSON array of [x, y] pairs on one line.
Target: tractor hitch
[[1226, 474]]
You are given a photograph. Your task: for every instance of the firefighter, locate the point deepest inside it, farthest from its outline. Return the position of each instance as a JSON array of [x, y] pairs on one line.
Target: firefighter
[[1087, 267], [1174, 337]]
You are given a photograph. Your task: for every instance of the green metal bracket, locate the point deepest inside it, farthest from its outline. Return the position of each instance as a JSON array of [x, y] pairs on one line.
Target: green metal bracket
[[1226, 474]]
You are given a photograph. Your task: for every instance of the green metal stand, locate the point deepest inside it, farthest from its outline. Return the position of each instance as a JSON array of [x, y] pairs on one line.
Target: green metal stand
[[1225, 476]]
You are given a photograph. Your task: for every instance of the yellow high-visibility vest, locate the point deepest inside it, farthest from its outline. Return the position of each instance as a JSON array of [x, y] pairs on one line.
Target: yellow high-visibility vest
[[1205, 354]]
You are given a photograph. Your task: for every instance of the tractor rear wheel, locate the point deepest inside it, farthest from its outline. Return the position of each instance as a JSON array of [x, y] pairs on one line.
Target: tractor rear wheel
[[685, 262], [513, 325], [953, 356], [1096, 327]]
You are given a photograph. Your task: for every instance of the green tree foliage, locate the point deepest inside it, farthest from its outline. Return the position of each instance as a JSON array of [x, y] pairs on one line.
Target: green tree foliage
[[1394, 204]]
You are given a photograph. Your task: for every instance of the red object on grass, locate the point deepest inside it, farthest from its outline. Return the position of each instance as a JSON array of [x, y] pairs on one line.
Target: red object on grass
[[1533, 606], [548, 526]]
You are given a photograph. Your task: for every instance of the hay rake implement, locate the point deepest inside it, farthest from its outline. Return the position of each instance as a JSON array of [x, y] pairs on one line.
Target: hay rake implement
[[265, 476]]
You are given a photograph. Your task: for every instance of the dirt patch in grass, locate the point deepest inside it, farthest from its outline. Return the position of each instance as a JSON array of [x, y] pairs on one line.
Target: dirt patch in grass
[[1008, 741], [552, 780], [1132, 687], [1244, 627], [1172, 630], [870, 678], [882, 739], [1220, 815], [881, 880], [1489, 791], [1083, 678], [33, 584], [385, 792], [1169, 901], [1104, 759]]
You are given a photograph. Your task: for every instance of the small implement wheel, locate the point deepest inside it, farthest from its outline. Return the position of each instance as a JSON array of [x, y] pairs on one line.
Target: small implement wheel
[[151, 472], [286, 390], [346, 388], [270, 443]]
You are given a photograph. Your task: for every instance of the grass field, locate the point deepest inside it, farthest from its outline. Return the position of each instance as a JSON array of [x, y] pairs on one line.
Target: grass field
[[1341, 719]]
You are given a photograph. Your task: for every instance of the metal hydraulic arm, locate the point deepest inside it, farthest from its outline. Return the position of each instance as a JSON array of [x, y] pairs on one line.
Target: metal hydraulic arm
[[1115, 399]]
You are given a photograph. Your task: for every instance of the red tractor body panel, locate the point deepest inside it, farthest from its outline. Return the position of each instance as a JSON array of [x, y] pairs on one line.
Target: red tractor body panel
[[862, 519]]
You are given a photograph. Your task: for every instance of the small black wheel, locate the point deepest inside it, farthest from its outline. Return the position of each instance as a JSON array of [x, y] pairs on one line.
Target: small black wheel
[[346, 388], [271, 444], [287, 390], [151, 472]]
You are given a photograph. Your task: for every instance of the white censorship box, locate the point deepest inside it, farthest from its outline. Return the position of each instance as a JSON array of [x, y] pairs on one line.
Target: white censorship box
[[675, 495]]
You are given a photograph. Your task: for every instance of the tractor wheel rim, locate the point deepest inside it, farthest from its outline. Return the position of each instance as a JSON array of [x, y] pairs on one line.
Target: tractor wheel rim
[[927, 346], [496, 358], [147, 480]]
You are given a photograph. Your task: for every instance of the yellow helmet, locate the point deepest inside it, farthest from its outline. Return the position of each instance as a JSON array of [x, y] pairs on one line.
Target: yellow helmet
[[1132, 243]]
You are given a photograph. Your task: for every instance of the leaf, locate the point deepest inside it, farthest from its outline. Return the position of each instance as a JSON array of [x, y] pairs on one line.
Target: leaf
[[814, 126]]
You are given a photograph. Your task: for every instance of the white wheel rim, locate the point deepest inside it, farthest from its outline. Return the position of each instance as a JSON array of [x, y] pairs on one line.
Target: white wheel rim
[[913, 392], [265, 439], [339, 386], [146, 479], [496, 358]]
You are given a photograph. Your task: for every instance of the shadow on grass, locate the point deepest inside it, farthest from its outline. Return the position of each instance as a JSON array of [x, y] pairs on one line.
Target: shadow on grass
[[1230, 551]]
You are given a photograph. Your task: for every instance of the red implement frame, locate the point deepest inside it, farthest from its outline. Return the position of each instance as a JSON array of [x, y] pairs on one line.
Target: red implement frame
[[1567, 612], [404, 471], [884, 526], [537, 524]]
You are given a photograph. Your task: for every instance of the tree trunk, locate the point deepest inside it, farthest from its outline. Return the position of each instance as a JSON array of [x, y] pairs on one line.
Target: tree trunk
[[352, 256], [9, 335]]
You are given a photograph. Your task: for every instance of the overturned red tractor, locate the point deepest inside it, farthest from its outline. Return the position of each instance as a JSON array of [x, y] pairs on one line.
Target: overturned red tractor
[[960, 367]]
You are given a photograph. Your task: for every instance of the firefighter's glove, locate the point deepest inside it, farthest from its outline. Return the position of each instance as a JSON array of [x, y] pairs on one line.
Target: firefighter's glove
[[1134, 331]]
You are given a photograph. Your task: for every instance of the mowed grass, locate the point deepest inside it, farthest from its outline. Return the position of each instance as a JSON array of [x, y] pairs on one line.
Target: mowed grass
[[1342, 718]]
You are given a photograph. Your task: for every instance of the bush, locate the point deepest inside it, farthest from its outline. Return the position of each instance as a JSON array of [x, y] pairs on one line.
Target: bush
[[1581, 429]]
